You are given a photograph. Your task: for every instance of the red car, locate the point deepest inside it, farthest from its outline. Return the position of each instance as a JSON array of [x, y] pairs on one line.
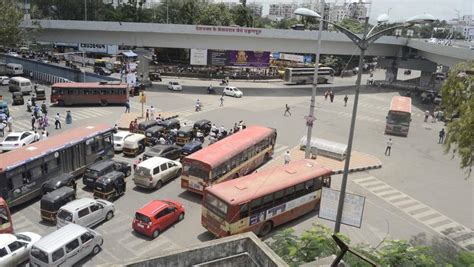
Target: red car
[[156, 216]]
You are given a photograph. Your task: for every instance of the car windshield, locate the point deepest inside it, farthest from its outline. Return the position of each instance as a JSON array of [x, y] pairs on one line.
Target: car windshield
[[23, 237], [39, 254], [118, 138], [174, 83], [12, 138], [156, 150], [65, 215], [91, 173], [142, 171], [142, 218]]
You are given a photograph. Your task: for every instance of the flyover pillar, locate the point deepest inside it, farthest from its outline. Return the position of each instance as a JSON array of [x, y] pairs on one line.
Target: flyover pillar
[[426, 78]]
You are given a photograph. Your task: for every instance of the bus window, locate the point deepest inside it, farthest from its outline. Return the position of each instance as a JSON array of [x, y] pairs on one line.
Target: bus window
[[87, 92], [15, 177], [244, 210], [95, 92], [52, 163], [103, 92]]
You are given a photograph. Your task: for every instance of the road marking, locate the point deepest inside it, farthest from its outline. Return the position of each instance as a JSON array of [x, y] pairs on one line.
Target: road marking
[[431, 218]]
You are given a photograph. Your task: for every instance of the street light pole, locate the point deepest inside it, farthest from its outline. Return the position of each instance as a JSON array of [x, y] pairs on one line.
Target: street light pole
[[85, 9]]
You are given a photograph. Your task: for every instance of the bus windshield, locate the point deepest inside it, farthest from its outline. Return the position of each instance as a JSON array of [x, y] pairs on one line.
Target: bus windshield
[[218, 206], [398, 118], [196, 171]]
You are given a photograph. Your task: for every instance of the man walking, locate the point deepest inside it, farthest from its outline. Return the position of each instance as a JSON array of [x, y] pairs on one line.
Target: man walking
[[389, 147], [147, 115], [287, 157], [127, 106], [287, 110], [442, 134], [222, 101], [345, 101], [10, 123], [57, 121], [33, 120], [152, 113], [331, 96]]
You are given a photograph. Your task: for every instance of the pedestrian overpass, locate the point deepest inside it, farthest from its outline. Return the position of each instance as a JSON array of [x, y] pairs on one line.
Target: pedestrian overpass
[[235, 38]]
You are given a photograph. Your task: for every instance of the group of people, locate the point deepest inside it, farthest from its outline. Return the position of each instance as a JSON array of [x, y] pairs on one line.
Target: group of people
[[330, 94], [5, 121]]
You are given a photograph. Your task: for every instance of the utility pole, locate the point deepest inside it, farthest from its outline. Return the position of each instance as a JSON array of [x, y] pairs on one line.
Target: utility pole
[[85, 10]]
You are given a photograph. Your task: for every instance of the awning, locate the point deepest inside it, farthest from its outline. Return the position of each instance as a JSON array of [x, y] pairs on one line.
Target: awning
[[129, 53]]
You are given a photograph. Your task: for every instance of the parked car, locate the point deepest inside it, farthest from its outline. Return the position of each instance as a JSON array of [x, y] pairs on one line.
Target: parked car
[[14, 248], [174, 86], [155, 171], [17, 139], [156, 216], [232, 91], [86, 212], [4, 80], [166, 151], [65, 246], [119, 139], [64, 179]]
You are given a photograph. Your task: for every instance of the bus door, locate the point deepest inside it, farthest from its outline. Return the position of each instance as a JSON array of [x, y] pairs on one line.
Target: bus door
[[73, 158], [6, 225]]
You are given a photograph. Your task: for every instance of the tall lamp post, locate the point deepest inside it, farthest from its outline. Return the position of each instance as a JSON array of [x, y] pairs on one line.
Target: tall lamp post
[[304, 12], [368, 37]]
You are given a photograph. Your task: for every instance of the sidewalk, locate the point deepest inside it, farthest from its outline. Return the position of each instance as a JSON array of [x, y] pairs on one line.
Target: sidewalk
[[359, 161]]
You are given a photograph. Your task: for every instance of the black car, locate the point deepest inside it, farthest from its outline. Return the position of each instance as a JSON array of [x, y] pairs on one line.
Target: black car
[[165, 151], [110, 186], [102, 71], [190, 148], [65, 179], [98, 169], [53, 201]]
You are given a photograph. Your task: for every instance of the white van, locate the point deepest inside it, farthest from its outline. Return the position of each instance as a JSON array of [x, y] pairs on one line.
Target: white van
[[65, 246], [155, 171], [86, 212], [14, 69], [20, 84]]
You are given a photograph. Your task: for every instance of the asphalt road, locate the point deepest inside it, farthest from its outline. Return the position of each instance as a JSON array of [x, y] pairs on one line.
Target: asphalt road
[[417, 167]]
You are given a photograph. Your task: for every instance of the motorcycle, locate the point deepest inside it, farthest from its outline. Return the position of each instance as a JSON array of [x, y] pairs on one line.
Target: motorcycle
[[211, 90], [198, 107]]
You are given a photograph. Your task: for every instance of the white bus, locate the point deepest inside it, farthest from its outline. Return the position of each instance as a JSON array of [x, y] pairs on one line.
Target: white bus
[[305, 75], [14, 69]]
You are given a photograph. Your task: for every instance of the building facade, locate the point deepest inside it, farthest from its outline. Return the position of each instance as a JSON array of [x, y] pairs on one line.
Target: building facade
[[282, 11]]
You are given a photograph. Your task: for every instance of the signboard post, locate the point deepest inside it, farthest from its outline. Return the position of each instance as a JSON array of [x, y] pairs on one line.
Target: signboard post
[[143, 101], [353, 207]]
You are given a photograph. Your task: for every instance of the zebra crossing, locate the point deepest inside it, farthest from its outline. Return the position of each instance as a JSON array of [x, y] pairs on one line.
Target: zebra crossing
[[378, 107], [456, 232]]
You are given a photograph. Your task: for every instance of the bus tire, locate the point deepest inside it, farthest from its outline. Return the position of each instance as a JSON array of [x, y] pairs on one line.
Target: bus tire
[[267, 157], [61, 103], [266, 228], [103, 102]]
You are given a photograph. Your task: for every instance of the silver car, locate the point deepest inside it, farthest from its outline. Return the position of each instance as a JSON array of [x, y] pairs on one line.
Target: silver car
[[86, 212]]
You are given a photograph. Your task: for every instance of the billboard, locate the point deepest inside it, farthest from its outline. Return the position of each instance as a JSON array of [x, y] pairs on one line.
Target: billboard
[[198, 56], [238, 58], [353, 207], [99, 48]]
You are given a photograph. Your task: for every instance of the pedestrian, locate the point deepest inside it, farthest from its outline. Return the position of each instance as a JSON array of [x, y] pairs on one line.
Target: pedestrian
[[152, 112], [287, 157], [127, 106], [68, 117], [2, 128], [222, 101], [115, 128], [331, 96], [442, 134], [236, 128], [33, 120], [326, 94], [345, 101], [433, 117], [214, 128], [287, 110], [389, 147], [44, 135], [222, 129], [147, 115], [44, 109], [10, 123], [36, 136], [57, 121], [427, 114]]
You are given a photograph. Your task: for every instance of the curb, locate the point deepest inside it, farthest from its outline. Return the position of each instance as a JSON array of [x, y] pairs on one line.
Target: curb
[[376, 166]]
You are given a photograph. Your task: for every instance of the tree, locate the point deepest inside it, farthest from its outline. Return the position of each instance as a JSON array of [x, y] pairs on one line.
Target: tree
[[216, 15], [458, 106], [242, 16], [11, 33], [352, 25]]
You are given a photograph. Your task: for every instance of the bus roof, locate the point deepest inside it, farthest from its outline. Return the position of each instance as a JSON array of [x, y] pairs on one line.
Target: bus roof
[[35, 150], [91, 85], [223, 150], [247, 188], [401, 104]]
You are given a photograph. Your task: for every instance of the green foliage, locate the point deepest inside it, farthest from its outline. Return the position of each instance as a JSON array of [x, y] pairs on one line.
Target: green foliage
[[11, 33], [401, 253], [215, 14], [352, 25], [242, 16], [458, 100]]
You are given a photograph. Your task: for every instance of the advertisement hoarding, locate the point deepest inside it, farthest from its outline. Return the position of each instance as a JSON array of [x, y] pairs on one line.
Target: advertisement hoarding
[[99, 48], [238, 58], [198, 56], [353, 207]]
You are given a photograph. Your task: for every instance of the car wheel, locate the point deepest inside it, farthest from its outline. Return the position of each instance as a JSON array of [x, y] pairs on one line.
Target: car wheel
[[96, 250], [155, 234], [109, 215], [158, 184], [103, 102], [181, 217], [178, 174]]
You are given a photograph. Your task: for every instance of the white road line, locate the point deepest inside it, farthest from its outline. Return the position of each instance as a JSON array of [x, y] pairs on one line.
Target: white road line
[[456, 232]]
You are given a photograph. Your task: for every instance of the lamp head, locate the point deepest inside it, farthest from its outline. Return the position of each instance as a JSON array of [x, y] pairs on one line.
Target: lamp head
[[421, 19], [307, 13], [383, 18]]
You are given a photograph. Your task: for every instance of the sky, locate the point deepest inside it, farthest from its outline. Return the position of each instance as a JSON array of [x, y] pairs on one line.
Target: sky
[[400, 9]]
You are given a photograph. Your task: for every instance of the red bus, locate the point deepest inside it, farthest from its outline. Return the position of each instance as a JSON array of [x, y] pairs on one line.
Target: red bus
[[23, 171], [261, 201], [102, 93], [229, 158], [6, 224], [399, 116]]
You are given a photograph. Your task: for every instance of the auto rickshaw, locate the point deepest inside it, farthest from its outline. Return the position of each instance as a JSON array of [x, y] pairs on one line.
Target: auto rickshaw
[[110, 186], [155, 76], [185, 135], [40, 93], [145, 125], [18, 98], [153, 133], [134, 145], [204, 126], [65, 179], [54, 200], [168, 124]]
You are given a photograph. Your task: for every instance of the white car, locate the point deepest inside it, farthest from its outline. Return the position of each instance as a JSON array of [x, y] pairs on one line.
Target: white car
[[174, 86], [15, 248], [17, 139], [85, 212], [4, 80], [119, 139], [233, 91], [15, 54], [156, 171]]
